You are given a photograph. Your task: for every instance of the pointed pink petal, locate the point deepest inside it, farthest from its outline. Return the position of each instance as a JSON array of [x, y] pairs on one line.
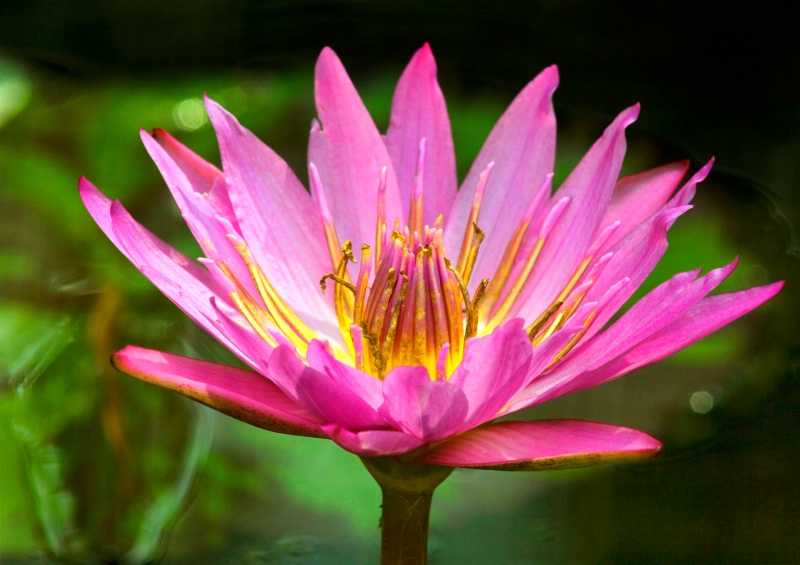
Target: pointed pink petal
[[419, 111], [349, 153], [373, 443], [413, 403], [522, 146], [542, 446], [244, 395], [327, 398], [637, 254], [687, 191], [365, 386], [705, 317], [203, 177], [634, 259], [589, 188], [277, 218], [637, 197], [251, 349], [198, 212], [494, 368], [184, 282], [658, 309]]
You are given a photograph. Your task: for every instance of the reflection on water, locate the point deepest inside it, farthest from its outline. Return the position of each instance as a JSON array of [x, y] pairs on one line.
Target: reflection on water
[[99, 468]]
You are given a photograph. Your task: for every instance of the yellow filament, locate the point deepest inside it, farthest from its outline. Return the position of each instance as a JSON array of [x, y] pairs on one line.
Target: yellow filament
[[469, 232], [550, 329], [500, 278], [475, 244], [539, 323], [383, 303], [289, 323], [421, 337], [388, 341], [255, 316], [361, 285], [472, 323], [452, 297], [516, 288], [562, 317], [471, 314], [575, 278], [285, 319], [574, 339], [334, 249]]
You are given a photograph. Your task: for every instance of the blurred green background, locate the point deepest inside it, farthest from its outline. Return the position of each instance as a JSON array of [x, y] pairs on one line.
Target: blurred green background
[[98, 468]]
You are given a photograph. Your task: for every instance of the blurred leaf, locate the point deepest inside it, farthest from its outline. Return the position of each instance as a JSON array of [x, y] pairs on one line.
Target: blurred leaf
[[15, 90], [29, 343]]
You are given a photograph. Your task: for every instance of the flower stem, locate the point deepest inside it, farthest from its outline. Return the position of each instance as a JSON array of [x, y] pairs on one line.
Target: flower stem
[[407, 493]]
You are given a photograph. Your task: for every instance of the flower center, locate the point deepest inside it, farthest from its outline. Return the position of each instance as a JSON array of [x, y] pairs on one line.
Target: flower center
[[416, 309]]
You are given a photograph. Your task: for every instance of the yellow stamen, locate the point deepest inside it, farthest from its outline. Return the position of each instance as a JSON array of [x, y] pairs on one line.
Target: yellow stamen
[[255, 316], [472, 220], [361, 284], [539, 323], [505, 306], [472, 323], [477, 239], [276, 311], [550, 329], [471, 314], [574, 339]]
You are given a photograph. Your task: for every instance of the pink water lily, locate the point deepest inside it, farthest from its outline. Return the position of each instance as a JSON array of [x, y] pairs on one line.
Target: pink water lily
[[443, 309]]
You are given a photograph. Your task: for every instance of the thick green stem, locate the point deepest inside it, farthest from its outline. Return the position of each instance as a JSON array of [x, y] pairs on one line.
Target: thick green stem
[[407, 493]]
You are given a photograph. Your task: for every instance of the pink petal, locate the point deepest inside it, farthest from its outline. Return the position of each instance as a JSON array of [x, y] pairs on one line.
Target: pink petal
[[277, 218], [541, 446], [419, 112], [494, 368], [705, 317], [198, 212], [589, 188], [244, 395], [365, 386], [636, 255], [634, 259], [646, 318], [637, 197], [184, 282], [522, 146], [373, 443], [413, 403], [349, 153], [326, 397], [203, 177]]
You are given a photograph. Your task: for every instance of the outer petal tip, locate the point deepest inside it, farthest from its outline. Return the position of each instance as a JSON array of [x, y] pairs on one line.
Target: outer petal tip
[[552, 74], [424, 57], [631, 114], [328, 61]]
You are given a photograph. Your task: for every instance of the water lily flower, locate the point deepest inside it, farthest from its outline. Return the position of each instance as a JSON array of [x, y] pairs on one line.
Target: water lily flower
[[398, 316]]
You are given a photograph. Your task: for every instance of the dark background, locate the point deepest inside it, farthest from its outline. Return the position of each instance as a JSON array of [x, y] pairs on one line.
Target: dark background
[[714, 78]]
